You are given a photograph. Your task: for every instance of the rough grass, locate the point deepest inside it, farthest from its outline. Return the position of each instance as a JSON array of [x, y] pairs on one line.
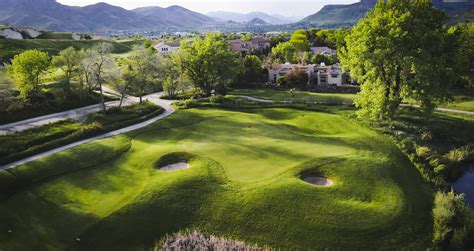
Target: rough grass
[[11, 47], [298, 96], [244, 185]]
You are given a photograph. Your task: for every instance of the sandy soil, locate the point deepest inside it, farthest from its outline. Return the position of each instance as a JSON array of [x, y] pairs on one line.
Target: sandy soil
[[319, 181], [175, 167]]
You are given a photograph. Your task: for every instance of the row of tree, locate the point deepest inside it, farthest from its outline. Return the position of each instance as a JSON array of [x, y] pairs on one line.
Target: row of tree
[[207, 63]]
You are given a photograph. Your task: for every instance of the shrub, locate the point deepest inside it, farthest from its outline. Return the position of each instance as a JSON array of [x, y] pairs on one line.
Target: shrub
[[460, 154], [296, 78], [198, 241], [217, 99], [451, 220], [187, 104]]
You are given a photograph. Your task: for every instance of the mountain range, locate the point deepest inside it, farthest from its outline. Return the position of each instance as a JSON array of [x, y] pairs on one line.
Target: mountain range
[[106, 18], [100, 17], [348, 15], [224, 16]]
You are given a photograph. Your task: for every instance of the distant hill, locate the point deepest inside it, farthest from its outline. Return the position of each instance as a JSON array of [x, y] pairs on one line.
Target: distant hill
[[340, 15], [257, 21], [174, 15], [225, 16], [100, 17], [348, 15]]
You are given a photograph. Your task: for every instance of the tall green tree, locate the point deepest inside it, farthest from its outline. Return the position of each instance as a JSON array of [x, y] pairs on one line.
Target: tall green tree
[[68, 60], [465, 53], [295, 50], [27, 69], [98, 60], [399, 51], [209, 63], [142, 69], [174, 73], [251, 70]]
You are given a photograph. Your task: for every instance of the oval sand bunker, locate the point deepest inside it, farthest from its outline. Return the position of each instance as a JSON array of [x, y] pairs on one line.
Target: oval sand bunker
[[318, 181], [175, 167]]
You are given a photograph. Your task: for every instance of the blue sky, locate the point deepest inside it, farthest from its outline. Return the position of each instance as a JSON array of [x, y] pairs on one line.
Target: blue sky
[[283, 7]]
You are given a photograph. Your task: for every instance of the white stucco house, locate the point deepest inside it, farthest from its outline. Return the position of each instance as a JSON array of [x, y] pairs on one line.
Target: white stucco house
[[165, 48], [318, 74], [281, 70]]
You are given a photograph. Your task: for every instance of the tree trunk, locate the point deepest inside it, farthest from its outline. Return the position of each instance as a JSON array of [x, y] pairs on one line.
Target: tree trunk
[[102, 100]]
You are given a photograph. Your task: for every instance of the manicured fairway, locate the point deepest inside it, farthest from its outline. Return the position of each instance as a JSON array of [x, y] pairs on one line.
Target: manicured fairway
[[244, 182], [298, 96]]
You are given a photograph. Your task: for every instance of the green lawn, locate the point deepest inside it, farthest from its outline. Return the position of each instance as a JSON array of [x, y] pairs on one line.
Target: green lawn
[[243, 183], [462, 105], [10, 47], [298, 96]]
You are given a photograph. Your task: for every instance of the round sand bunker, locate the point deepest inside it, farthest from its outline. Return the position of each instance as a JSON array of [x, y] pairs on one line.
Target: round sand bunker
[[175, 167], [319, 181]]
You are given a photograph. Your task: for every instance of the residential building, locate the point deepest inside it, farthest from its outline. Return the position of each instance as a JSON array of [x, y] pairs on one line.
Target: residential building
[[258, 43], [281, 70], [318, 74], [324, 51], [167, 47]]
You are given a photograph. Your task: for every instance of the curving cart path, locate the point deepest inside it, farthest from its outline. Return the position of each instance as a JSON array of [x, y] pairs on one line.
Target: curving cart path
[[154, 98]]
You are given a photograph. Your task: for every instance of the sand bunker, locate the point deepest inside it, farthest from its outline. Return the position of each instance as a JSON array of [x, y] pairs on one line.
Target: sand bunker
[[319, 181], [175, 167]]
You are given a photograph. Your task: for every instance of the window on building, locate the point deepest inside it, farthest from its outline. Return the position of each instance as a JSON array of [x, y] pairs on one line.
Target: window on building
[[334, 75]]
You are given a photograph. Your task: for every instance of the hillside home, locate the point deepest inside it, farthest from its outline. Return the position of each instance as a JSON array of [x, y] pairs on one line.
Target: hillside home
[[323, 51], [281, 70], [317, 74], [258, 43], [165, 48]]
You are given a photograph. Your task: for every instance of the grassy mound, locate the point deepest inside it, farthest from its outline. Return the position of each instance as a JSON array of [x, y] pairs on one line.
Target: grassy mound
[[245, 184]]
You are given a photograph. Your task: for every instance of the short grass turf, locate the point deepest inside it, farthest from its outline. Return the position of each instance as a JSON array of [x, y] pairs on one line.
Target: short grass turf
[[244, 182], [297, 96]]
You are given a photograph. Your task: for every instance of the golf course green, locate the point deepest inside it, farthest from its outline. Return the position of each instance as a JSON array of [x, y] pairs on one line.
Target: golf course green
[[244, 181]]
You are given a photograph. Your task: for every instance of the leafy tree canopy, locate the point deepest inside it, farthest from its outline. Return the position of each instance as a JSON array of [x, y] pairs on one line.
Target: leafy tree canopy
[[399, 50], [27, 69], [209, 63]]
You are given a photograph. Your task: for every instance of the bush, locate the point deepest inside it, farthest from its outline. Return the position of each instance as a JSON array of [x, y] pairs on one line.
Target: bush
[[297, 78], [217, 99], [451, 220], [187, 104], [198, 241], [423, 153]]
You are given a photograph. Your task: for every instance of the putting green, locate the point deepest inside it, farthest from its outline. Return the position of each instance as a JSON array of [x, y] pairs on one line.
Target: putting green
[[244, 182]]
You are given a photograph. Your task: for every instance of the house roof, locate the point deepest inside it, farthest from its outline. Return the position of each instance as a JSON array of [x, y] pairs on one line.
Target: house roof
[[170, 44]]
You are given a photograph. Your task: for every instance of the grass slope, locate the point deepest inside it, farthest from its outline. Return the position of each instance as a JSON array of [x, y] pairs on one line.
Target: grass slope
[[10, 47], [243, 183]]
